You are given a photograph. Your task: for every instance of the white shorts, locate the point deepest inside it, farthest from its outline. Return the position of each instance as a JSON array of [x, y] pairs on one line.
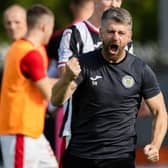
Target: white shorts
[[20, 151]]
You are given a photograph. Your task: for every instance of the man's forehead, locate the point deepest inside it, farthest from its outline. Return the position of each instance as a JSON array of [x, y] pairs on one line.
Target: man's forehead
[[15, 11], [114, 24]]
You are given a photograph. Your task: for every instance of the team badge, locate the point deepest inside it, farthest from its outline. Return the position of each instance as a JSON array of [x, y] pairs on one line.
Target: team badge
[[128, 81]]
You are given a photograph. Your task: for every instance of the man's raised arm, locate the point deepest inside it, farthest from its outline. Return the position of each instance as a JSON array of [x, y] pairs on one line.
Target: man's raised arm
[[66, 85]]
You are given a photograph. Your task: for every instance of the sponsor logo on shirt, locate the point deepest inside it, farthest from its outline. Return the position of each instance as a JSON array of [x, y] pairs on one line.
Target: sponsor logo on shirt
[[94, 79], [128, 81]]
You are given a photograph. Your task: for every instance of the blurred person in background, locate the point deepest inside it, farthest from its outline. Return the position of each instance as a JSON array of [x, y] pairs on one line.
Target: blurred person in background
[[24, 95], [14, 19], [81, 10], [108, 85]]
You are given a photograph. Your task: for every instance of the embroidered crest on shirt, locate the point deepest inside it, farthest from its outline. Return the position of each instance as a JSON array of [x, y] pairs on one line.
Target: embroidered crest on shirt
[[94, 79], [128, 81]]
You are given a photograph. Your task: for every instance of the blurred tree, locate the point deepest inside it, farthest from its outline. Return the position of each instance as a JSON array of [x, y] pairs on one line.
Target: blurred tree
[[144, 13], [145, 17]]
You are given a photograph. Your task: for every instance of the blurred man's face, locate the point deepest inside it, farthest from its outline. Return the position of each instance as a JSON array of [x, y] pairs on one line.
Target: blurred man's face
[[48, 22], [102, 5], [15, 23]]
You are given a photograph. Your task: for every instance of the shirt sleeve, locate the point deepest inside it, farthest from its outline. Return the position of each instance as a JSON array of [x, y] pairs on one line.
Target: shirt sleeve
[[32, 66], [64, 51], [150, 87]]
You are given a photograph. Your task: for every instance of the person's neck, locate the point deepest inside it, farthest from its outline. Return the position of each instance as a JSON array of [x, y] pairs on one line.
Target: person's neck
[[34, 39], [116, 58], [81, 16], [95, 20]]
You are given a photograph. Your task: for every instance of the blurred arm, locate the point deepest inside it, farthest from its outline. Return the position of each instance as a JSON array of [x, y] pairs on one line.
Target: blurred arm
[[45, 85]]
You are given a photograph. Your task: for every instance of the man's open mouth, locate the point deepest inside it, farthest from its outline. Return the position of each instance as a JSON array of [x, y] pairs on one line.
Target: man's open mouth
[[114, 48]]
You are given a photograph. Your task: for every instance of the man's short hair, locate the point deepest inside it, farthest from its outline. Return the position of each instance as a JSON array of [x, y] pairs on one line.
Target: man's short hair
[[118, 15], [35, 13]]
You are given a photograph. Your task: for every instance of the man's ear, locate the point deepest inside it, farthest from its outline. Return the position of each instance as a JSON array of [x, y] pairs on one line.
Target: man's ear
[[43, 27], [100, 33], [130, 36]]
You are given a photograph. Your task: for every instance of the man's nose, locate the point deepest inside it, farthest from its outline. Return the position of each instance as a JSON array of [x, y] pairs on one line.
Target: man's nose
[[116, 36]]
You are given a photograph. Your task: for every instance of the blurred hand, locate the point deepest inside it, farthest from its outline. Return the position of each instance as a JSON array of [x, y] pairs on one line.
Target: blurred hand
[[73, 68], [151, 152]]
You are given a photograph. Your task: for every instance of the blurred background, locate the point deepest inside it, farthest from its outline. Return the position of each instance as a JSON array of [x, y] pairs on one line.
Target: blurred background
[[150, 39]]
